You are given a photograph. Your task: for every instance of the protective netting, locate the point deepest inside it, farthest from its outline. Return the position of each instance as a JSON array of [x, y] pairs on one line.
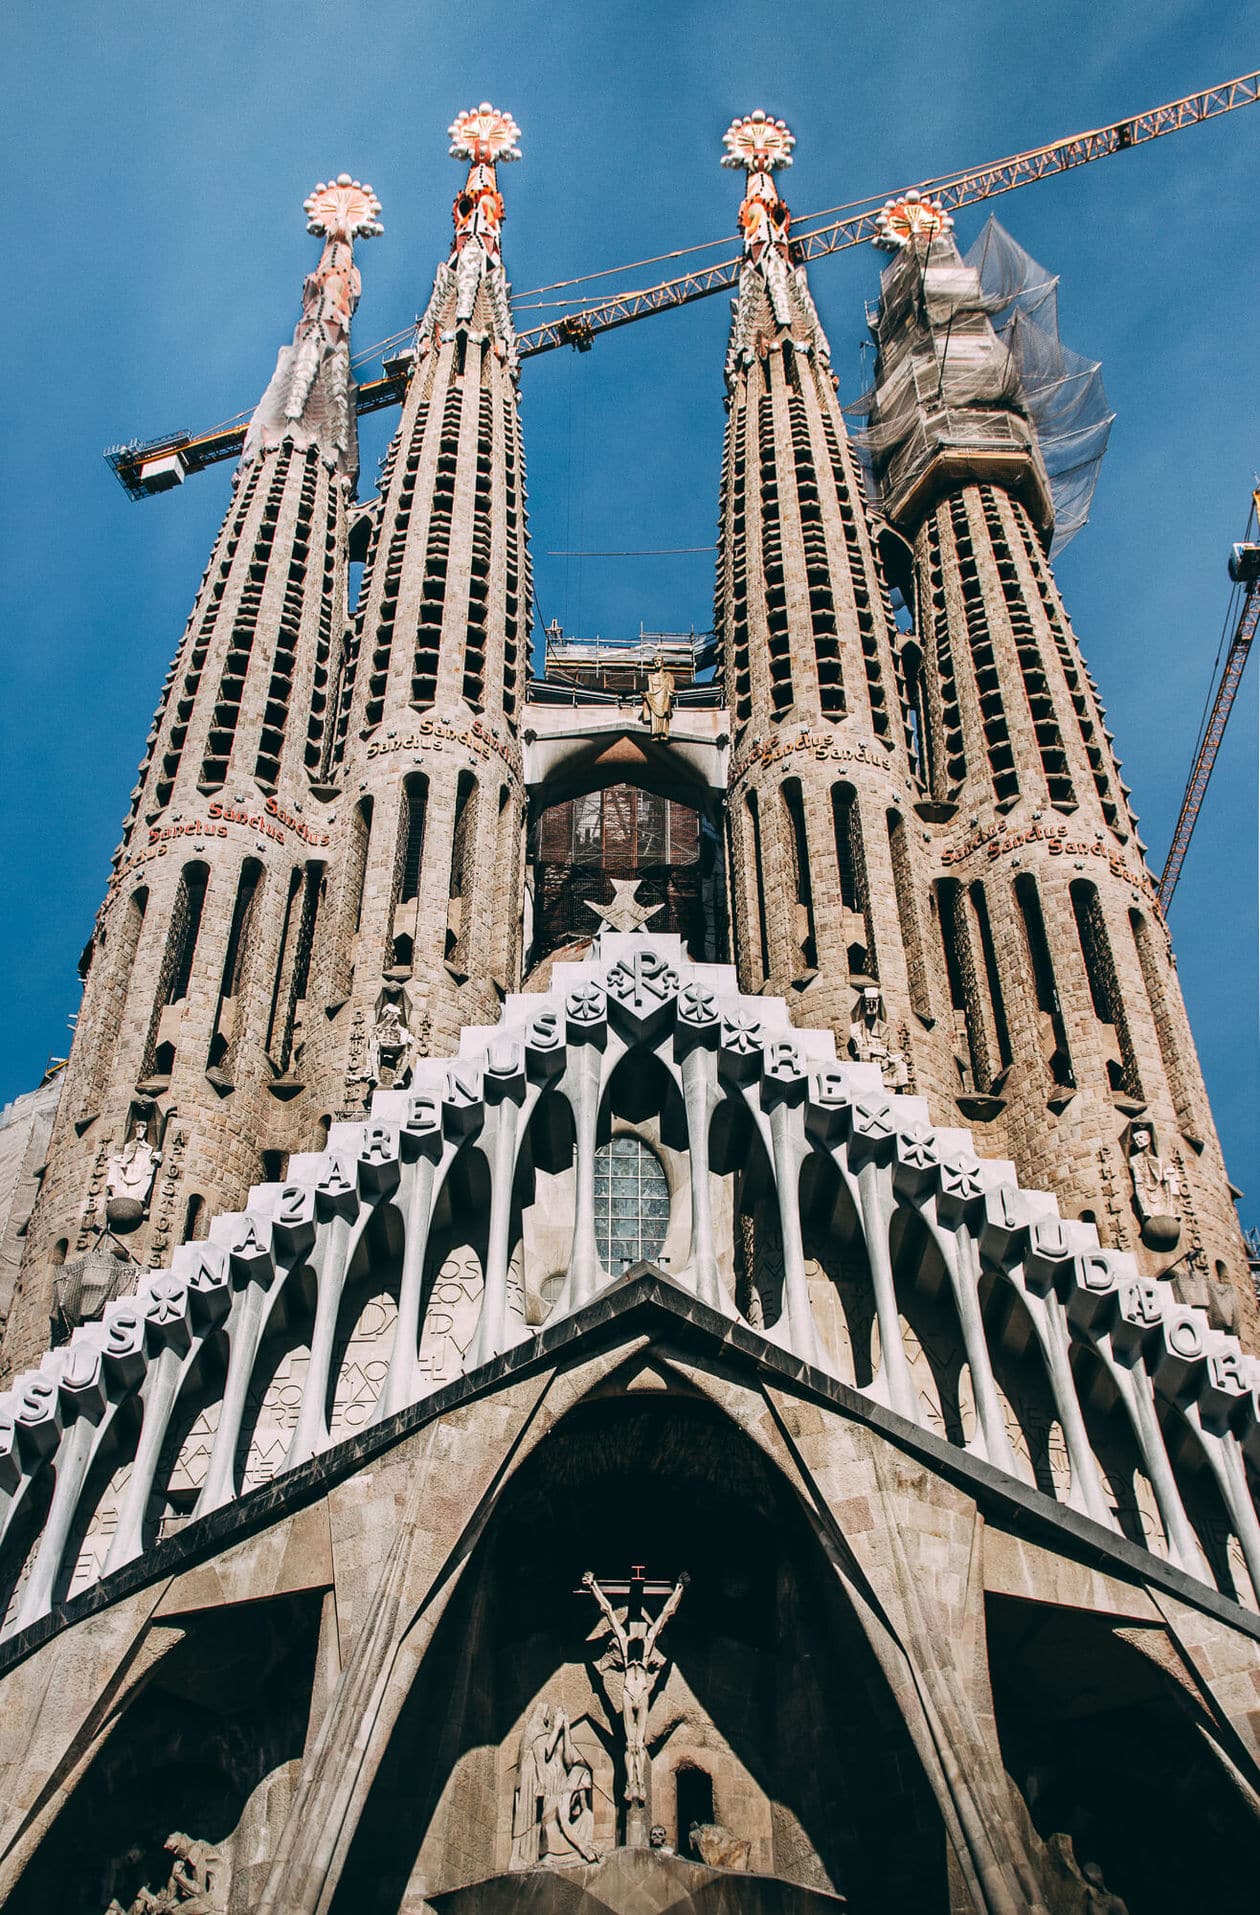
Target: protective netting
[[964, 341]]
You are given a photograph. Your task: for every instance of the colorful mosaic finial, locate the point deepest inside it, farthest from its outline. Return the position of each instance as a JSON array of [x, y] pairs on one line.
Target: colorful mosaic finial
[[484, 136], [758, 143], [343, 209], [309, 400], [909, 221]]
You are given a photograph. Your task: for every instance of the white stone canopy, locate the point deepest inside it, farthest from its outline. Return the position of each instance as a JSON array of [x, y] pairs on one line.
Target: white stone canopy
[[174, 1404]]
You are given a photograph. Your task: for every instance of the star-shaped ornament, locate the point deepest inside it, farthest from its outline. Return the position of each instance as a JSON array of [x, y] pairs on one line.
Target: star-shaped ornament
[[624, 913]]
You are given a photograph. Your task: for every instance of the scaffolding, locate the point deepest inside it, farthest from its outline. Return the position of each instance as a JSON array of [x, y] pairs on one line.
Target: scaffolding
[[617, 668]]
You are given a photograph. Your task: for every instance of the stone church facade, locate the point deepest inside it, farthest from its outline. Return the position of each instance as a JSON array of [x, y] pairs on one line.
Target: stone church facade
[[633, 1300]]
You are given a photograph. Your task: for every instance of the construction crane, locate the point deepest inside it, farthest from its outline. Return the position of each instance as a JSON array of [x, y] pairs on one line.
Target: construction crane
[[158, 464], [1244, 569]]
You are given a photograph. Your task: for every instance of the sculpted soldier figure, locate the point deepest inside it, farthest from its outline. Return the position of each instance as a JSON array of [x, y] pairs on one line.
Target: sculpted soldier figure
[[870, 1039], [640, 1662], [658, 698], [1156, 1189], [389, 1047]]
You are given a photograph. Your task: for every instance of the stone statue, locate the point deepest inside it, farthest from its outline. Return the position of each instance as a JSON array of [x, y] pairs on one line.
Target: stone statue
[[658, 698], [640, 1662], [1156, 1189], [129, 1179], [717, 1847], [553, 1816], [390, 1045], [870, 1040], [196, 1885], [658, 1839]]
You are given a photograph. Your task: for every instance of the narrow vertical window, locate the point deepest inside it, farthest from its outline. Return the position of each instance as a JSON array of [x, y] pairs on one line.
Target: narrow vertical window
[[117, 959], [1162, 1014], [1001, 1031], [176, 971], [798, 845], [1053, 1030], [229, 1010], [463, 850], [908, 918], [759, 882], [1104, 988], [415, 797], [976, 1048], [854, 891], [293, 970]]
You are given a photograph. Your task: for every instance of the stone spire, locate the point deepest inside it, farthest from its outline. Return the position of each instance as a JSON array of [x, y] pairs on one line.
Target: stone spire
[[424, 934], [1070, 1041], [823, 770], [310, 401], [192, 1021]]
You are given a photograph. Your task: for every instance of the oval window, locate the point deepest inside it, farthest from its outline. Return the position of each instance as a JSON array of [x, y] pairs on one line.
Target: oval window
[[631, 1204]]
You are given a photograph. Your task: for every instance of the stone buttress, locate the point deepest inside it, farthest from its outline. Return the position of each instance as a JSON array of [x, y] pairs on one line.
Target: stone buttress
[[1071, 1046], [196, 972]]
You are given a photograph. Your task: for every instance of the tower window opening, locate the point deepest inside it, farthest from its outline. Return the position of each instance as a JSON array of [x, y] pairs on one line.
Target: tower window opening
[[631, 1204], [1104, 987], [1001, 1030], [415, 800], [1165, 1029], [227, 1016], [759, 879], [177, 963], [1054, 1037], [292, 973], [976, 1048], [794, 806], [463, 849], [908, 918], [854, 891]]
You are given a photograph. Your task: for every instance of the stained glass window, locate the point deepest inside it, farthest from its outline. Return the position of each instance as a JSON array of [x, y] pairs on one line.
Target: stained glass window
[[631, 1204]]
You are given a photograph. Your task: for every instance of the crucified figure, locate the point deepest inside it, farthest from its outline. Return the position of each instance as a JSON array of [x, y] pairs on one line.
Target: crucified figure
[[640, 1663]]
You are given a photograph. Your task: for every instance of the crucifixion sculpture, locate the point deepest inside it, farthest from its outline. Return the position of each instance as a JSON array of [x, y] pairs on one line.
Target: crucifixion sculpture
[[639, 1661]]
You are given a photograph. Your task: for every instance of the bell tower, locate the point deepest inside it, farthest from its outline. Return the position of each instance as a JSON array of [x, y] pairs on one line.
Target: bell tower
[[824, 773], [423, 936], [197, 969], [1072, 1051]]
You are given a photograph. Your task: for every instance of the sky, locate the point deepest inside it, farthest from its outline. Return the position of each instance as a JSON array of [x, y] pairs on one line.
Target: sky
[[158, 156]]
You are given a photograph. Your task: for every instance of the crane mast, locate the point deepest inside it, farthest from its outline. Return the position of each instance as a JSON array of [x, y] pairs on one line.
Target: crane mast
[[1244, 569]]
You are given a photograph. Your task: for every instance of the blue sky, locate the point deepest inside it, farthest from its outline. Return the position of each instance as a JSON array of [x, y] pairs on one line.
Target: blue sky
[[158, 159]]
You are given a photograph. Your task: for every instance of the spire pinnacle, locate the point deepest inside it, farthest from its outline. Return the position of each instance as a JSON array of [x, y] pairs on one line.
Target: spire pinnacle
[[913, 220], [482, 135], [762, 147], [308, 399]]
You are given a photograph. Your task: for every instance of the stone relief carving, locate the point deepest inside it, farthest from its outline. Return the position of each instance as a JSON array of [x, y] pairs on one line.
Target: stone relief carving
[[1157, 1189], [638, 1661], [129, 1180], [553, 1815], [871, 1039], [196, 1885]]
